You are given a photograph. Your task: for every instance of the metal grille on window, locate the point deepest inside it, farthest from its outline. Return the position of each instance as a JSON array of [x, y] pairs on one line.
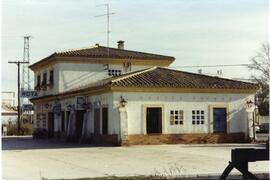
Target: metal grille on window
[[197, 117], [176, 117]]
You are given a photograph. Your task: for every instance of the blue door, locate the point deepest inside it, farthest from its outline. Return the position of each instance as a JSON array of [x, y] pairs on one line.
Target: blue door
[[220, 124]]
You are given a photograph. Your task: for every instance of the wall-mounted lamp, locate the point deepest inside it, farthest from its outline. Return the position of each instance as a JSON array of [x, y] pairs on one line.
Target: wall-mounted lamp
[[105, 66], [48, 106], [97, 103], [250, 106], [123, 102], [69, 107], [87, 105]]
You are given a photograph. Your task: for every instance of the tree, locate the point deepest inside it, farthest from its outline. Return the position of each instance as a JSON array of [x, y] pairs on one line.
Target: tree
[[260, 65]]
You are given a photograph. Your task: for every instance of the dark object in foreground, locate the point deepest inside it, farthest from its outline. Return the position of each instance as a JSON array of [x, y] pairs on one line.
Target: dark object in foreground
[[240, 159]]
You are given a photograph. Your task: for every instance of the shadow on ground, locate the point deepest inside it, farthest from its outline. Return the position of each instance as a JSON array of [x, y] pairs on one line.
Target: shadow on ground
[[28, 143]]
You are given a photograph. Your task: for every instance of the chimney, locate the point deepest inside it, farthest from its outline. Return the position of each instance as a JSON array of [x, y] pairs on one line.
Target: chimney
[[120, 44]]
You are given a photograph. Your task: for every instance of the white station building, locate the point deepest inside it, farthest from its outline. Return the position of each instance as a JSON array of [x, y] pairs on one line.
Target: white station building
[[121, 97]]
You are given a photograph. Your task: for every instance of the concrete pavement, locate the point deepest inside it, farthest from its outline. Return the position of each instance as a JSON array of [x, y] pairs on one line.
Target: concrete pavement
[[24, 158]]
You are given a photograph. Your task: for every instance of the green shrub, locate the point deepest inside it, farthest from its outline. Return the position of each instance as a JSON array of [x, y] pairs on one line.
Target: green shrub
[[26, 129]]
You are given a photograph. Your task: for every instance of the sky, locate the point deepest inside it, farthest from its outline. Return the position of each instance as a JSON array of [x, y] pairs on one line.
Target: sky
[[195, 32]]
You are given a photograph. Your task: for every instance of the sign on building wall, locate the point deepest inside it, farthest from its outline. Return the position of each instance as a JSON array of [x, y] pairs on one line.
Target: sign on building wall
[[27, 107], [29, 93], [57, 108]]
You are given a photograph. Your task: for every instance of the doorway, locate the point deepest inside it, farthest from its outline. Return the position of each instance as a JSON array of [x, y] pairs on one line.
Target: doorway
[[220, 120], [153, 120], [104, 120], [67, 120], [97, 121], [63, 121], [50, 124], [79, 122]]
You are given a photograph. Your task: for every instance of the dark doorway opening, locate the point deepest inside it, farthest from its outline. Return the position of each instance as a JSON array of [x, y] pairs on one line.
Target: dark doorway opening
[[67, 120], [63, 121], [220, 122], [154, 120], [50, 124], [105, 120], [97, 121], [79, 122]]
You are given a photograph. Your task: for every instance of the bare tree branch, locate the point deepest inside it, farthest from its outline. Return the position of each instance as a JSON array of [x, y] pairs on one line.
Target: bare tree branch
[[260, 65]]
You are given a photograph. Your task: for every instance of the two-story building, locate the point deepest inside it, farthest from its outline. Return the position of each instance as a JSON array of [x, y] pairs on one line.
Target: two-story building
[[128, 97]]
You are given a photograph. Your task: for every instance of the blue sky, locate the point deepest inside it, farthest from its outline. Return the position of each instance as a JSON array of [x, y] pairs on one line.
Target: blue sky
[[195, 32]]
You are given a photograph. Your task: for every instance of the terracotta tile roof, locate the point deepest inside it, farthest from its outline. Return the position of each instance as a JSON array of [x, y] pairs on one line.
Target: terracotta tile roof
[[102, 52], [159, 77]]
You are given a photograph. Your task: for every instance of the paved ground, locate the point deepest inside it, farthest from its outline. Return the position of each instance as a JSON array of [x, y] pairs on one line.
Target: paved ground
[[24, 158]]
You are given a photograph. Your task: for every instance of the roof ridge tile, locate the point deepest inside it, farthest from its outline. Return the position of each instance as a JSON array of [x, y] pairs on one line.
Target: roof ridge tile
[[76, 49]]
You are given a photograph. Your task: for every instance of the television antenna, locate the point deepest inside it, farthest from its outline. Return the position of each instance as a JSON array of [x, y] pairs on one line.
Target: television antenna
[[108, 14]]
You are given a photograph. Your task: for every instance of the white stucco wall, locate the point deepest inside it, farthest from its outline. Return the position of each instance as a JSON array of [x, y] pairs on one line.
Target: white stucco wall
[[235, 104], [73, 75], [236, 117]]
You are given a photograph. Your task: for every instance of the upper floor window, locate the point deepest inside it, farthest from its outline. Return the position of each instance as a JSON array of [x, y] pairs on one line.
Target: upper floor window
[[114, 72], [38, 80], [198, 117], [51, 78], [44, 81]]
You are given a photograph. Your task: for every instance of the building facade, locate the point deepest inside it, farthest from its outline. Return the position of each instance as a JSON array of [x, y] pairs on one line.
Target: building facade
[[118, 96]]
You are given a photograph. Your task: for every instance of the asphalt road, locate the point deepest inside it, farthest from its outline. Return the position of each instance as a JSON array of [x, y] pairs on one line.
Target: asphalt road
[[24, 158]]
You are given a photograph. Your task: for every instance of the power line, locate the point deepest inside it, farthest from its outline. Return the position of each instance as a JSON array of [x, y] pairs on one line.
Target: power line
[[215, 65]]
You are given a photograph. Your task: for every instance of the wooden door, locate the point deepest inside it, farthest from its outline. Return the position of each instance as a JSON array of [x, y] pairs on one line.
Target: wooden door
[[220, 120], [154, 120]]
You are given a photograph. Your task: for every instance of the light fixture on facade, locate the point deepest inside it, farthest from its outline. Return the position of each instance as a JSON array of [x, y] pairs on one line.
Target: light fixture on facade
[[97, 103], [123, 102], [87, 105], [69, 107], [250, 106], [105, 66], [48, 106]]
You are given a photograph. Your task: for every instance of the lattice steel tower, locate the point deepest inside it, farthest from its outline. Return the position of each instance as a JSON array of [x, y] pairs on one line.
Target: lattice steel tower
[[25, 83]]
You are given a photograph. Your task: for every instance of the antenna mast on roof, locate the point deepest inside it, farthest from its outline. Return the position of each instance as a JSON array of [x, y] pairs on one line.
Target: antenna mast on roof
[[108, 23]]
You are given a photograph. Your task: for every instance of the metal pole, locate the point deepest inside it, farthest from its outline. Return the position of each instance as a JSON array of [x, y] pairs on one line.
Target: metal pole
[[18, 63], [19, 100], [254, 131], [108, 29]]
